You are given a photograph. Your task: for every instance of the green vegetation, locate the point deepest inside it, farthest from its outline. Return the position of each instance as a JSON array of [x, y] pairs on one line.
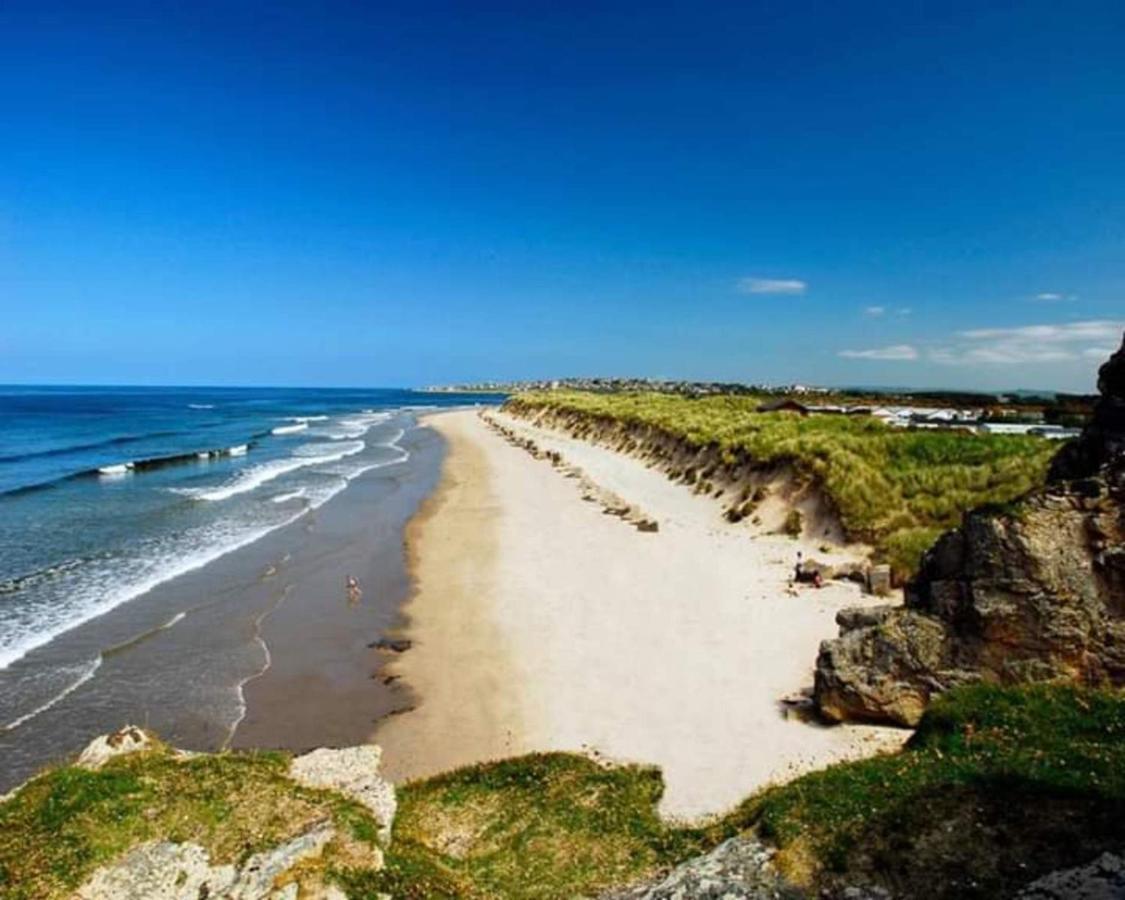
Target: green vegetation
[[542, 826], [997, 786], [892, 488], [65, 824]]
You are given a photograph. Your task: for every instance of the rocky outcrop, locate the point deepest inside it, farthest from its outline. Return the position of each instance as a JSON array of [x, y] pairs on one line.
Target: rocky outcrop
[[1103, 879], [168, 870], [353, 772], [105, 747], [1035, 591], [737, 869], [171, 871]]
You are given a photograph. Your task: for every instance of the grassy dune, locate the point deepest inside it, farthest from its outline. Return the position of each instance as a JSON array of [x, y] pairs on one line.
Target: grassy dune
[[894, 489], [998, 786], [68, 822]]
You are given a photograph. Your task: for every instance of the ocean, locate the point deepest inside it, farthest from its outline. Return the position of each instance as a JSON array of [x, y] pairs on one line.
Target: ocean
[[145, 527]]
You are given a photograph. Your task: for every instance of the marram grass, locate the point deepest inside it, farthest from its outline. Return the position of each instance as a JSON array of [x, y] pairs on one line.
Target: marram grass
[[894, 489]]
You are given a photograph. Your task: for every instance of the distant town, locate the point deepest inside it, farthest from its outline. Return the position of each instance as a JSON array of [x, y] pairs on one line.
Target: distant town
[[1052, 416]]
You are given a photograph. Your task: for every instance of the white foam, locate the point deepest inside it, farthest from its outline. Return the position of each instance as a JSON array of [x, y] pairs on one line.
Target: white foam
[[201, 406], [289, 429], [175, 620], [307, 418], [288, 495], [351, 427], [112, 585], [255, 476], [115, 470], [109, 583], [85, 671], [238, 450]]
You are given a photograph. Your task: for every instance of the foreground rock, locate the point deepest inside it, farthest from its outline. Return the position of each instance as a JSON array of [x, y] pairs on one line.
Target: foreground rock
[[1034, 592], [168, 870], [737, 869], [1103, 879], [353, 772]]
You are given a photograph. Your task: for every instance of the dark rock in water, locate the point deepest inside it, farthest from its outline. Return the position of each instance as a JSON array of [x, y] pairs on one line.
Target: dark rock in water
[[1031, 592], [395, 645]]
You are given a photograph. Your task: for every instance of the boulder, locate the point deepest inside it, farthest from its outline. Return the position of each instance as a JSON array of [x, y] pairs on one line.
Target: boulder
[[737, 869], [1103, 879], [163, 870], [1034, 591], [103, 748], [354, 772]]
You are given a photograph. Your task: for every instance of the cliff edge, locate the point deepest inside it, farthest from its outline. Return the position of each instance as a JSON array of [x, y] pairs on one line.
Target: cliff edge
[[1031, 591]]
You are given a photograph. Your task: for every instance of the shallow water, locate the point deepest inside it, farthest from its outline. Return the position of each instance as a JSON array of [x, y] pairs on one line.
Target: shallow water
[[140, 558]]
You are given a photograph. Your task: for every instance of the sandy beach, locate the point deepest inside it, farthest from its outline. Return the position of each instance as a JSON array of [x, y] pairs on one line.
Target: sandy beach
[[540, 623]]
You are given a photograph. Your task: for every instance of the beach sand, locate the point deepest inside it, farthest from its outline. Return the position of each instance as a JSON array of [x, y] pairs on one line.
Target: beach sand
[[541, 623]]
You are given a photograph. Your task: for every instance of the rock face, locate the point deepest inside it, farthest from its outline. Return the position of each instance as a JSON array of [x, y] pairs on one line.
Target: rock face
[[103, 748], [737, 869], [166, 870], [1034, 592], [162, 870], [354, 772], [1103, 879]]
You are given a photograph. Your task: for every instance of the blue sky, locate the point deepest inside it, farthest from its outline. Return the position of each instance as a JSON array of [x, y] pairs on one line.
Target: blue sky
[[374, 194]]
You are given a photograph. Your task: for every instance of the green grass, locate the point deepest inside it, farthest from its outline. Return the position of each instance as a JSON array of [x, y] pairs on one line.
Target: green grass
[[892, 488], [63, 825], [997, 786], [542, 826]]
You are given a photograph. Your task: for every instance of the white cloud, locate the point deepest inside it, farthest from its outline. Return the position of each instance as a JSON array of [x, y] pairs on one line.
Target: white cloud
[[1029, 343], [894, 352], [874, 311], [771, 286], [903, 311], [1098, 352], [1054, 297]]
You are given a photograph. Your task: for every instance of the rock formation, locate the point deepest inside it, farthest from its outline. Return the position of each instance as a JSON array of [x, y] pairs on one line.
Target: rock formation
[[1033, 591], [171, 870]]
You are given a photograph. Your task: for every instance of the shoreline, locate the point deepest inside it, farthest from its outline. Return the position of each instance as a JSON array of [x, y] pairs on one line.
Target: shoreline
[[257, 648], [540, 623], [456, 666]]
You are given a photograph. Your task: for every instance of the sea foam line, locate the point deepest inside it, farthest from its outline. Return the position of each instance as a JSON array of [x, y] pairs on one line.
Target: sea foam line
[[179, 564], [267, 661], [87, 673], [256, 476]]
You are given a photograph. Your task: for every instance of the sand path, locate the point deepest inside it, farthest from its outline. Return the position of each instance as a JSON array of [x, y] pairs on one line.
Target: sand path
[[542, 623]]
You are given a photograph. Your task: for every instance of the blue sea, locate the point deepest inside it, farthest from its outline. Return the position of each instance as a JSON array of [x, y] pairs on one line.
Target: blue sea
[[107, 492]]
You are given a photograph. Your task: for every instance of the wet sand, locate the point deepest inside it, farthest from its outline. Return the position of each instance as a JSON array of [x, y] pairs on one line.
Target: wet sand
[[458, 666], [541, 623], [174, 658]]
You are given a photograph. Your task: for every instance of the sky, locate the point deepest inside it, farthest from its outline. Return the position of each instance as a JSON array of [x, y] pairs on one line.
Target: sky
[[900, 194]]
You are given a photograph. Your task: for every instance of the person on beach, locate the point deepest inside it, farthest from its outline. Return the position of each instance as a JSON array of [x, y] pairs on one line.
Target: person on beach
[[353, 590]]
